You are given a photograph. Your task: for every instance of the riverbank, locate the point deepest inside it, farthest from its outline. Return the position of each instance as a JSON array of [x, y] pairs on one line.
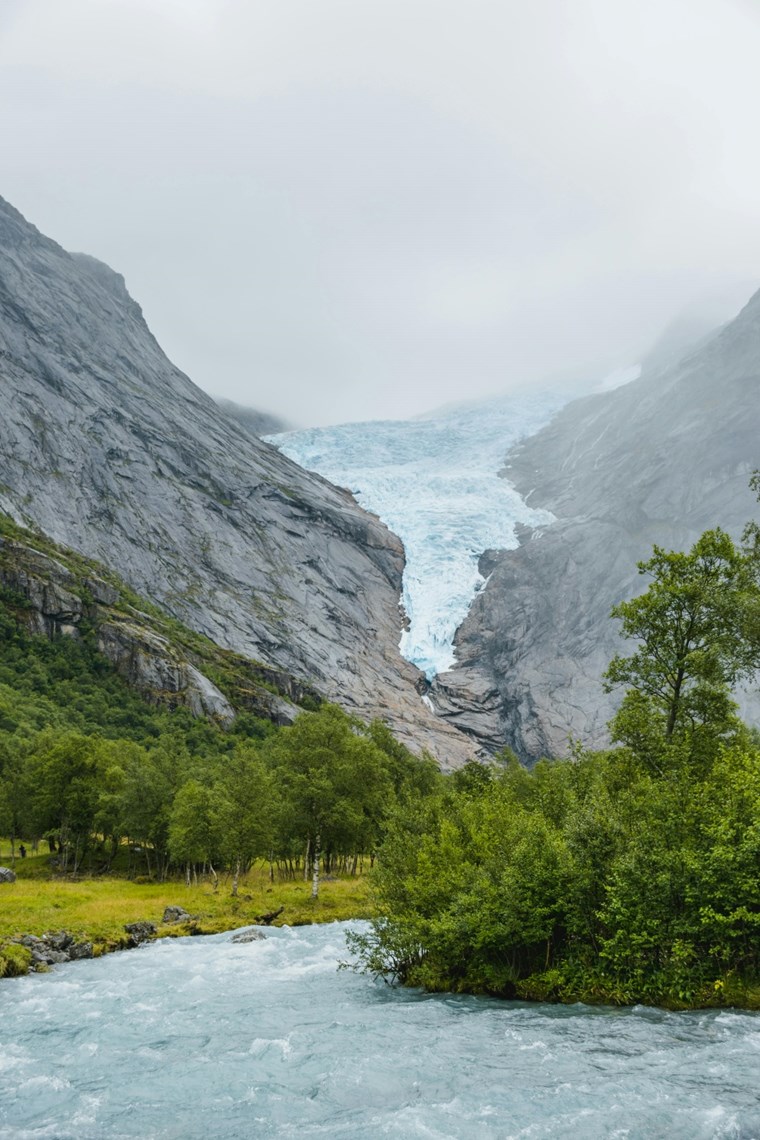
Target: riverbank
[[97, 910]]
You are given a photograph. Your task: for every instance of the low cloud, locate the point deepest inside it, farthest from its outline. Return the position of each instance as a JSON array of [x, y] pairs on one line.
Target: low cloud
[[338, 211]]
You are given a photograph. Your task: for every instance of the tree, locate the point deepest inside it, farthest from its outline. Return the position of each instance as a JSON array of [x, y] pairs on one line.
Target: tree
[[248, 809], [196, 824], [64, 771], [151, 780], [334, 782], [696, 627]]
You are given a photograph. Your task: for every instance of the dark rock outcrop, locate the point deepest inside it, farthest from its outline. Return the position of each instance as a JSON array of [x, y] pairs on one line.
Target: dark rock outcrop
[[110, 449], [657, 461], [58, 603], [140, 932], [55, 947], [173, 914]]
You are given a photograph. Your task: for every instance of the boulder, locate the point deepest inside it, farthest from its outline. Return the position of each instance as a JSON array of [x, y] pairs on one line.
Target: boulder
[[58, 939], [80, 950], [55, 947], [177, 914], [6, 875], [248, 936], [140, 931]]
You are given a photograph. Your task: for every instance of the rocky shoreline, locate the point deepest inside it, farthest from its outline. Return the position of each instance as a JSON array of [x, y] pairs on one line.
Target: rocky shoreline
[[39, 953]]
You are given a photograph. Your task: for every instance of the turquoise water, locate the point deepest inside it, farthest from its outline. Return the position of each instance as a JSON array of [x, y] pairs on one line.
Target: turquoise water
[[202, 1037]]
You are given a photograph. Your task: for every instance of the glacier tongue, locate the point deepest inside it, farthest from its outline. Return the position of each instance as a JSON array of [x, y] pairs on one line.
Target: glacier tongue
[[434, 481]]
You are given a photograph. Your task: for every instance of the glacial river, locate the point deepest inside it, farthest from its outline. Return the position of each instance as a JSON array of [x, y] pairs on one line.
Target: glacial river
[[202, 1037]]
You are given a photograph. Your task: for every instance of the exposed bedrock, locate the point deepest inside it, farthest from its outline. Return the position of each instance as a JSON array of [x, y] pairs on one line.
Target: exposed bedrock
[[146, 660], [657, 461]]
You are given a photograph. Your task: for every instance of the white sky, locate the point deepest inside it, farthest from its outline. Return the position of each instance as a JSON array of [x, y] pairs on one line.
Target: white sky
[[344, 209]]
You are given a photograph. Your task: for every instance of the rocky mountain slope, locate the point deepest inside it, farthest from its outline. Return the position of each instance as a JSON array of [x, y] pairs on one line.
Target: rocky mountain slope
[[55, 592], [657, 461], [110, 449]]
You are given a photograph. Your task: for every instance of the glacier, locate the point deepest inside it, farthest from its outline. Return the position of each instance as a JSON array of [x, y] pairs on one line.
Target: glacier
[[435, 482]]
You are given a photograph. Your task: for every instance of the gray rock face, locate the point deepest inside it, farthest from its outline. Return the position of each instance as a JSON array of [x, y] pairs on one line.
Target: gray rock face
[[7, 875], [146, 660], [149, 663], [110, 449], [55, 947], [140, 932], [658, 461]]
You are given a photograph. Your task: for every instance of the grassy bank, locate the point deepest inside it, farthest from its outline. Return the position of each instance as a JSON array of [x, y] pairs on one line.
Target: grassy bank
[[96, 910]]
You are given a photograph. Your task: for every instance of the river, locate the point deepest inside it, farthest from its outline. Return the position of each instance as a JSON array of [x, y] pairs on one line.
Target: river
[[206, 1038]]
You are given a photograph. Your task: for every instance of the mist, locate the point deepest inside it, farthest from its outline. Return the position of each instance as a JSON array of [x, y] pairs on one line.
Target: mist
[[340, 211]]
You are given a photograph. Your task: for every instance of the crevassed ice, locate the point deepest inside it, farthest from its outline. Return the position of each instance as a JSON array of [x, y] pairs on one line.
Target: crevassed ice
[[434, 481]]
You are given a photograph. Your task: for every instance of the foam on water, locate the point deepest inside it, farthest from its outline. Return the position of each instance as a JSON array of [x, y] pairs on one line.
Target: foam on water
[[277, 1043], [434, 481]]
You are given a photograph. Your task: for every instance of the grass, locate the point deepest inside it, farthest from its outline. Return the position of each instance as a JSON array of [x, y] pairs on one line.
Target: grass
[[97, 910]]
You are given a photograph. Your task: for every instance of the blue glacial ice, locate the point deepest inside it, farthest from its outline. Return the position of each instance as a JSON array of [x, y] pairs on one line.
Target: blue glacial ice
[[434, 481]]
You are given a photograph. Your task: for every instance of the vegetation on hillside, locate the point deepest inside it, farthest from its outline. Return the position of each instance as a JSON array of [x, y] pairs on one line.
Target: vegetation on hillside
[[243, 681], [87, 766]]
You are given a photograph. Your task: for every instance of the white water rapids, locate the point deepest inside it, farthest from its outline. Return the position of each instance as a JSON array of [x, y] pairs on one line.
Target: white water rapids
[[206, 1039]]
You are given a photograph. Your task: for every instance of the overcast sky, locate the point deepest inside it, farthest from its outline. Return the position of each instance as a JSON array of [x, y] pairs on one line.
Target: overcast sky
[[345, 209]]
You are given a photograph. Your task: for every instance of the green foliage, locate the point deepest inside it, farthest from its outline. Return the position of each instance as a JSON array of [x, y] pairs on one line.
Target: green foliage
[[588, 879], [624, 876], [695, 632], [15, 960], [87, 764], [336, 784]]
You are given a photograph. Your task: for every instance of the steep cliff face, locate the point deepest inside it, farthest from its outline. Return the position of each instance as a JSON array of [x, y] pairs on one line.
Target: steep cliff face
[[56, 592], [657, 461], [110, 449], [58, 603]]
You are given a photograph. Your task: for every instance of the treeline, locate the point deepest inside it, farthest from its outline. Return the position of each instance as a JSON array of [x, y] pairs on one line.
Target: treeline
[[589, 879], [87, 766], [629, 875]]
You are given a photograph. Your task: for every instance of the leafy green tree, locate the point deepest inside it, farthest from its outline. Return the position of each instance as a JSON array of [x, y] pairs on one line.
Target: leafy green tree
[[64, 773], [248, 809], [14, 792], [694, 626], [151, 779], [334, 781], [196, 825]]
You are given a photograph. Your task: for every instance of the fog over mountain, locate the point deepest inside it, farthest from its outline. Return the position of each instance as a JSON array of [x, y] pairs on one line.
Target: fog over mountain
[[659, 460], [340, 211]]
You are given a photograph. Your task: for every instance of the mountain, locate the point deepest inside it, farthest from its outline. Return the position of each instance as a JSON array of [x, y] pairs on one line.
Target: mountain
[[659, 460], [106, 447], [257, 423]]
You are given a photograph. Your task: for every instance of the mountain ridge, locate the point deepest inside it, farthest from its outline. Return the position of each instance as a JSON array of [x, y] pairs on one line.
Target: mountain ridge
[[108, 448]]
